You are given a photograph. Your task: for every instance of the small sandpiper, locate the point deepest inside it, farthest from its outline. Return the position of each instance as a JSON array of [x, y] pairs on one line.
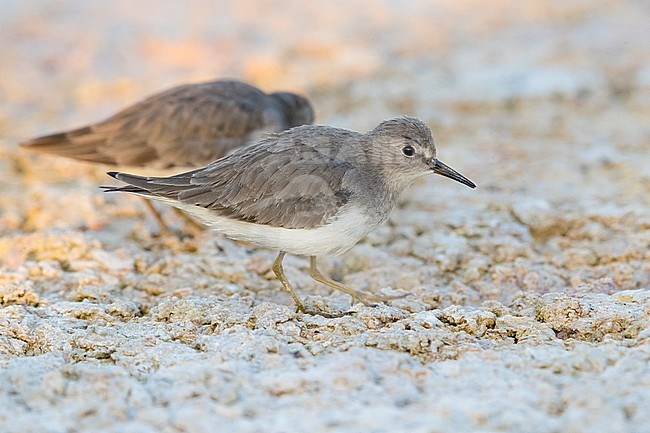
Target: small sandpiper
[[184, 127], [309, 191]]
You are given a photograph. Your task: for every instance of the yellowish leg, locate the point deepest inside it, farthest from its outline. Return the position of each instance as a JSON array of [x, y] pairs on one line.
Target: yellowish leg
[[357, 296], [164, 229], [279, 272]]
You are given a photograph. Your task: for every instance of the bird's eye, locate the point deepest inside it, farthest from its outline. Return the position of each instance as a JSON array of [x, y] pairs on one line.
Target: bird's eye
[[408, 150]]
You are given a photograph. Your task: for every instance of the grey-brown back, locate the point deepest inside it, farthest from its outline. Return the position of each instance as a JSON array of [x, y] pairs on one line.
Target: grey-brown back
[[187, 126], [298, 179]]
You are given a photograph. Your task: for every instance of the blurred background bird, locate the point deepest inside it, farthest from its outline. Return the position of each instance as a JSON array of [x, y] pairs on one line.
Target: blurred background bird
[[184, 127]]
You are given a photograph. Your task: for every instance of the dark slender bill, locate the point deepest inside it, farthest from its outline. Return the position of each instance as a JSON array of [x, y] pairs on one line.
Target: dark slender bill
[[443, 169]]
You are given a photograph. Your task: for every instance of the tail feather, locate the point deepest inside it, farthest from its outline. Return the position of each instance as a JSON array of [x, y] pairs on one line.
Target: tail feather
[[132, 179], [127, 188], [82, 143], [161, 188], [136, 184]]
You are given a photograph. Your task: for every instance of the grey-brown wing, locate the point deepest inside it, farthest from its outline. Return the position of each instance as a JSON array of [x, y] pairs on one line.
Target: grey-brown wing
[[278, 190], [270, 183], [188, 125]]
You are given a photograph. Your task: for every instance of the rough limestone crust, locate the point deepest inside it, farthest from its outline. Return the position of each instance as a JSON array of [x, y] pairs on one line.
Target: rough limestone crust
[[529, 298]]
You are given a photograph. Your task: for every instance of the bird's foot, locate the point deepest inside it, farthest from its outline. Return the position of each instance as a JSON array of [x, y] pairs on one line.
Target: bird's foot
[[314, 311], [371, 299]]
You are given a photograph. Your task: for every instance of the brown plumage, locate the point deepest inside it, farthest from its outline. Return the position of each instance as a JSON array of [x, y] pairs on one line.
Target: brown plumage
[[186, 126]]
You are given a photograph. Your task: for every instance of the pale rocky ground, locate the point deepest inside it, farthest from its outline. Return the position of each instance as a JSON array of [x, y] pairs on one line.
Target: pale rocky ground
[[530, 296]]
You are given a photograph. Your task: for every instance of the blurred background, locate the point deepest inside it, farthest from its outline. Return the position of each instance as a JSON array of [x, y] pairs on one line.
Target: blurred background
[[66, 63], [544, 104]]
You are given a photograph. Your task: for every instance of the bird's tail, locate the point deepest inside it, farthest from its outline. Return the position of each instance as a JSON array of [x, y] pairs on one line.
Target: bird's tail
[[136, 184], [83, 143], [159, 188]]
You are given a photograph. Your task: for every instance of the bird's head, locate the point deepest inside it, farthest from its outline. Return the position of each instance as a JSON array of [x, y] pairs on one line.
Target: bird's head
[[297, 108], [405, 150]]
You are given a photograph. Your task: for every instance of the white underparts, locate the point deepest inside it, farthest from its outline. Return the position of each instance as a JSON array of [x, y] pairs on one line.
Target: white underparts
[[333, 238]]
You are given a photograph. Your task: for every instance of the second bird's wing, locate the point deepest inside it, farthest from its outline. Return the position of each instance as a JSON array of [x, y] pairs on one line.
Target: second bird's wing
[[187, 126]]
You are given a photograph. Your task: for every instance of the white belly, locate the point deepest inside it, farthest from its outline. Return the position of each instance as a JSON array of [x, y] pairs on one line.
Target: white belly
[[331, 239]]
